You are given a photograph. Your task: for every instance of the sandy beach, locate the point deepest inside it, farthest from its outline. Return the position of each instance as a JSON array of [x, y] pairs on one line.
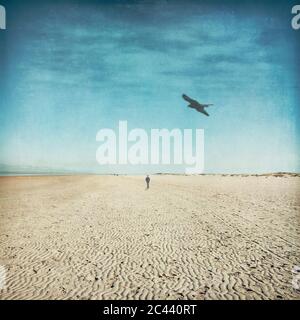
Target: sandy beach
[[187, 237]]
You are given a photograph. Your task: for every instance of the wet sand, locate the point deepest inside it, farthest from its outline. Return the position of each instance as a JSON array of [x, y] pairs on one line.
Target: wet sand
[[187, 237]]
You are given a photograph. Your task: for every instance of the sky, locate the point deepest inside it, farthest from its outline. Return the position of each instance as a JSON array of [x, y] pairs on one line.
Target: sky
[[71, 68]]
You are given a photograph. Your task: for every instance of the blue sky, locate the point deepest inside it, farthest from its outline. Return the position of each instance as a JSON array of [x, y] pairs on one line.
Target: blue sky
[[70, 68]]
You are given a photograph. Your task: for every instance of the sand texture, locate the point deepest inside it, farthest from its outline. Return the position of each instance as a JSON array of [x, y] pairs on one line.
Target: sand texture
[[188, 237]]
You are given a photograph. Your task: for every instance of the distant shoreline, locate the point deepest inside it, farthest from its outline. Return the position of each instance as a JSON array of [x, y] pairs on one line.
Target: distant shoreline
[[43, 174]]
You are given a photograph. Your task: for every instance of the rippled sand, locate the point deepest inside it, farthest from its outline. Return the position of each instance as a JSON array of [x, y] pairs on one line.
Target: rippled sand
[[188, 237]]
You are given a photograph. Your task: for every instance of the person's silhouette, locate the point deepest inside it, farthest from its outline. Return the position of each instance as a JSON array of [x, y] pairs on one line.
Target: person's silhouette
[[147, 181]]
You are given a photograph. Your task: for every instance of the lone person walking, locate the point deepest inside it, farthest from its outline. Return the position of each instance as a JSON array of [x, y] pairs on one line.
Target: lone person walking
[[147, 181]]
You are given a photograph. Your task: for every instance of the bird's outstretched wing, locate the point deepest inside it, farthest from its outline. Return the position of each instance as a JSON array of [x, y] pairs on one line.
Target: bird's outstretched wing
[[188, 99], [204, 112]]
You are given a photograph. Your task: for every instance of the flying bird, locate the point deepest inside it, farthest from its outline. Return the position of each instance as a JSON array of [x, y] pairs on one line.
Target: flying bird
[[196, 105]]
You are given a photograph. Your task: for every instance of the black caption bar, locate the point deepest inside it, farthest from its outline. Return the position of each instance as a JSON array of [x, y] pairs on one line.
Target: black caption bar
[[141, 309]]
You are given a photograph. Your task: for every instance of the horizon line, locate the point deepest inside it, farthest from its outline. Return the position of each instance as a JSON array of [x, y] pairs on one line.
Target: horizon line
[[18, 174]]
